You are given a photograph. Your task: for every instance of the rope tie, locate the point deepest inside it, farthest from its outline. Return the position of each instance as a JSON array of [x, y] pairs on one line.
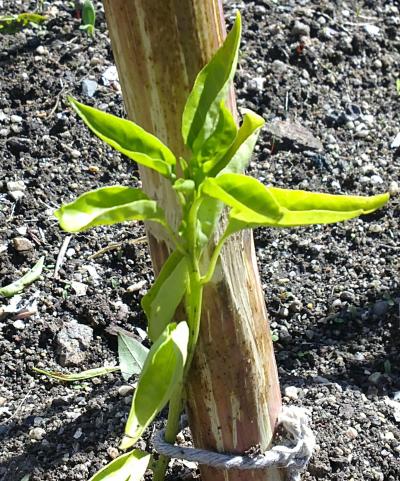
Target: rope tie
[[295, 457]]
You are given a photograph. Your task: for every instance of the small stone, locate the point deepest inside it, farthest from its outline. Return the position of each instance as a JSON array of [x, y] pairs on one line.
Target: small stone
[[79, 287], [375, 228], [394, 187], [41, 50], [19, 324], [377, 63], [110, 75], [278, 66], [78, 433], [300, 29], [136, 287], [94, 169], [376, 179], [351, 433], [75, 153], [16, 119], [291, 392], [256, 84], [70, 252], [17, 195], [125, 390], [22, 244], [3, 400], [396, 142], [372, 30], [112, 452], [15, 185], [96, 61], [72, 340], [388, 436], [37, 434], [89, 87], [295, 306]]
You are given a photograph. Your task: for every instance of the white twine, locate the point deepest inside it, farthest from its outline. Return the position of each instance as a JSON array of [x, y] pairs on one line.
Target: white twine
[[294, 420]]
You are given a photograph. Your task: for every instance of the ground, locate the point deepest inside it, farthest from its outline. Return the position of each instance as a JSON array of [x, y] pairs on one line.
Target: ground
[[332, 292]]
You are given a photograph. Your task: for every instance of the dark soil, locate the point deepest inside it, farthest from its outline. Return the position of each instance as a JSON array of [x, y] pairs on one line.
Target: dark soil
[[332, 292]]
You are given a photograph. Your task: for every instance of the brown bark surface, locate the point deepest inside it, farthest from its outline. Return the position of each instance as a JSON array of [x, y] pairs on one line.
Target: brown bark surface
[[233, 393]]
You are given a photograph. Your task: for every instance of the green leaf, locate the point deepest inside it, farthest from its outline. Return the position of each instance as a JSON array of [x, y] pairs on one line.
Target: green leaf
[[88, 16], [304, 208], [13, 23], [128, 138], [161, 374], [254, 205], [239, 154], [79, 376], [28, 278], [219, 141], [208, 215], [132, 355], [128, 467], [184, 186], [245, 194], [164, 296], [202, 109], [108, 205]]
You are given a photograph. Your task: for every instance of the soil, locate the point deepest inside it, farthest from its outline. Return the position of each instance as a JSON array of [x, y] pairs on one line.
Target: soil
[[332, 291]]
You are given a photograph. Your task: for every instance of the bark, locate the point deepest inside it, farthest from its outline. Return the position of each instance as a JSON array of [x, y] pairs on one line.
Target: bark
[[233, 395]]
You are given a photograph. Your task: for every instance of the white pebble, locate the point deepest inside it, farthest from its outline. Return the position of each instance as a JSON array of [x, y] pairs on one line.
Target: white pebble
[[376, 179], [18, 324], [16, 119], [291, 392], [125, 390], [394, 187], [351, 433], [37, 434]]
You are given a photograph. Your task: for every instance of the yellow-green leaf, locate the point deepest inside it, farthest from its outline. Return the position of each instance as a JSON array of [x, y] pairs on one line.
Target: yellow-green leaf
[[77, 376], [202, 109], [128, 138], [131, 354], [161, 374], [254, 205], [131, 466], [108, 205], [166, 293], [219, 141], [19, 285], [299, 207], [239, 154]]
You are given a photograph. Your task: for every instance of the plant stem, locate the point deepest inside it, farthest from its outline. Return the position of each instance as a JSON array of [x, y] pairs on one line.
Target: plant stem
[[172, 429], [174, 238], [213, 261], [195, 297]]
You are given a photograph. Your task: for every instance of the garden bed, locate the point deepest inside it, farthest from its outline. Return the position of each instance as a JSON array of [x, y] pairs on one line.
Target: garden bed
[[332, 292]]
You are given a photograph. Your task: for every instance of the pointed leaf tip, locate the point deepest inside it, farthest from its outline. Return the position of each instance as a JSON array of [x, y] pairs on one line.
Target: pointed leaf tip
[[128, 138], [106, 206]]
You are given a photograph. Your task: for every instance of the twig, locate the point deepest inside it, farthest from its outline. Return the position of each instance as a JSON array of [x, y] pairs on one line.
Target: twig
[[116, 245], [50, 114], [19, 406], [61, 255]]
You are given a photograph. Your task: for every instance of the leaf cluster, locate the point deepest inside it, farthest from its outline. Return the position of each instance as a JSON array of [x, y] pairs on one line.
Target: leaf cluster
[[210, 179], [11, 24]]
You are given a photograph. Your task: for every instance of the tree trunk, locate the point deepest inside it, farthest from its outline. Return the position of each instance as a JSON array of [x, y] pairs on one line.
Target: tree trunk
[[233, 391]]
